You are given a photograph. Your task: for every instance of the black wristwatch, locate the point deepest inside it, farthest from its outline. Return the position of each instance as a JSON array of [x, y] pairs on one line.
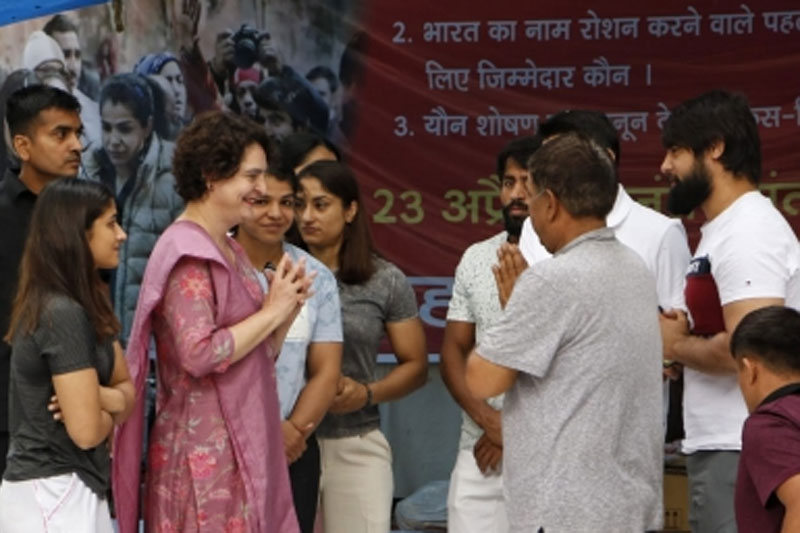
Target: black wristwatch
[[369, 396]]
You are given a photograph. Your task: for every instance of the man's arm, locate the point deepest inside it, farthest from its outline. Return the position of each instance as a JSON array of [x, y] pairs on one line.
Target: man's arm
[[707, 354], [486, 379], [459, 339], [789, 495]]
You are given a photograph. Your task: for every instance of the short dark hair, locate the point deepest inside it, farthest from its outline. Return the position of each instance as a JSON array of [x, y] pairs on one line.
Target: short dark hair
[[772, 335], [717, 116], [578, 172], [321, 71], [23, 106], [295, 148], [274, 171], [356, 255], [519, 150], [60, 24], [132, 91], [212, 147], [593, 125]]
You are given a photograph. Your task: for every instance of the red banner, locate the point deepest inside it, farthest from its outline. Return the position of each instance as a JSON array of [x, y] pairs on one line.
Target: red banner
[[449, 83]]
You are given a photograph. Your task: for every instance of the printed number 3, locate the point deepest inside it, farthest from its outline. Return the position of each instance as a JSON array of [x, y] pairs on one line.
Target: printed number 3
[[401, 129], [413, 213]]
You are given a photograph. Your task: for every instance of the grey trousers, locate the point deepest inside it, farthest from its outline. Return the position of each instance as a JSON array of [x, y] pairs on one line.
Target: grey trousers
[[712, 482]]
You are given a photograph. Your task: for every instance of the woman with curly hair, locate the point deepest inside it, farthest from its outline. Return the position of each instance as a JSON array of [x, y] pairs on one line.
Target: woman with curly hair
[[216, 456]]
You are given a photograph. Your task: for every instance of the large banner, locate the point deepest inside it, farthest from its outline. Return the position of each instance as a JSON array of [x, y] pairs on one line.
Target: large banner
[[422, 95], [448, 83]]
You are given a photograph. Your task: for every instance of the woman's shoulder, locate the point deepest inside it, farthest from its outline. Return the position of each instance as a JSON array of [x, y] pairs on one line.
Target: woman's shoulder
[[61, 312], [157, 161], [186, 237], [296, 253], [183, 241], [386, 269], [61, 304], [388, 275], [166, 150]]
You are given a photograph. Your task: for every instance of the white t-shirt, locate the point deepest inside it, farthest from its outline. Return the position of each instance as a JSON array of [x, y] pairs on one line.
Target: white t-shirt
[[659, 240], [475, 300], [751, 252], [319, 320]]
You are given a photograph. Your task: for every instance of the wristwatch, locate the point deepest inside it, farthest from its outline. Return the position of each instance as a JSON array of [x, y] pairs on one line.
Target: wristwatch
[[369, 396]]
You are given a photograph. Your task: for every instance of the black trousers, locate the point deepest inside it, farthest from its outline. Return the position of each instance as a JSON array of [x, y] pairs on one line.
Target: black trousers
[[3, 452], [304, 475]]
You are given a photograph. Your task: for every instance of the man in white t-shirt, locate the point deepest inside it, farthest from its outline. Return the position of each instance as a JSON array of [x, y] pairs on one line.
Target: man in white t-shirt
[[748, 257], [475, 499], [659, 240]]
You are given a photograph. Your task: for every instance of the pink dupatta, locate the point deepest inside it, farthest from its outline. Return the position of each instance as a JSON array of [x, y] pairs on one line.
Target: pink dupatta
[[247, 391]]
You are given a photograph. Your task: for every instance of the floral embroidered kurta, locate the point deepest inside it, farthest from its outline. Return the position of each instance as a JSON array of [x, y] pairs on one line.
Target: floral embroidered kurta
[[192, 473], [216, 461]]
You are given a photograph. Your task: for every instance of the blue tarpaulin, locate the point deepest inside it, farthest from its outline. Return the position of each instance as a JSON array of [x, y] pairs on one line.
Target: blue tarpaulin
[[12, 11]]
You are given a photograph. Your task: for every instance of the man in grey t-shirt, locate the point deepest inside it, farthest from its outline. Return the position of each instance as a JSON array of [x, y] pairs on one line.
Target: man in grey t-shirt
[[578, 350]]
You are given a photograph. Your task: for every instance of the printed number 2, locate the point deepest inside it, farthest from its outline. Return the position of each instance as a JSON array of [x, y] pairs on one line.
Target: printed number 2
[[413, 212], [383, 216], [398, 37]]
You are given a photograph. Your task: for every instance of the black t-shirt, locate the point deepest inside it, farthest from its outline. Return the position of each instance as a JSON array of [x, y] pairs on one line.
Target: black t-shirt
[[16, 206], [40, 447]]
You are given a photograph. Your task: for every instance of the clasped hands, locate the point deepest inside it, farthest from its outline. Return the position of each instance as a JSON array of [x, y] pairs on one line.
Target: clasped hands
[[509, 267], [674, 325], [289, 286], [350, 396]]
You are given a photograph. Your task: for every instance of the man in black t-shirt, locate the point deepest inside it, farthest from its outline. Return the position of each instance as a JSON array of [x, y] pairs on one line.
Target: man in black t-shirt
[[45, 127]]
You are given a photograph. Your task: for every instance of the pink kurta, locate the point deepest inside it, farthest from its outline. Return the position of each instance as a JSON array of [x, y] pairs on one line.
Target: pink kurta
[[216, 459]]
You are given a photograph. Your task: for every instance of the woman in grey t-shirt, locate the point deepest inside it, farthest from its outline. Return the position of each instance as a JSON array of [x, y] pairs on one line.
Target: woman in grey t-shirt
[[376, 298], [69, 383]]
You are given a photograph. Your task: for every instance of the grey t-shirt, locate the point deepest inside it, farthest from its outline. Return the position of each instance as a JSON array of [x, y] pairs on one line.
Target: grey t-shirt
[[39, 446], [582, 423], [366, 308]]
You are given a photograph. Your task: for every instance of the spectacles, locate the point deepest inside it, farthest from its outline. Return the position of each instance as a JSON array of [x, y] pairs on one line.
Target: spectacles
[[534, 197]]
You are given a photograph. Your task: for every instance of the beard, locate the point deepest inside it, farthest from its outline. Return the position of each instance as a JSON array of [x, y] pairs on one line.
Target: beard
[[690, 192], [513, 223]]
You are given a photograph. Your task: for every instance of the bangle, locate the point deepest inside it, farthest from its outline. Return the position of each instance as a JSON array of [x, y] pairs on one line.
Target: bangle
[[369, 396]]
